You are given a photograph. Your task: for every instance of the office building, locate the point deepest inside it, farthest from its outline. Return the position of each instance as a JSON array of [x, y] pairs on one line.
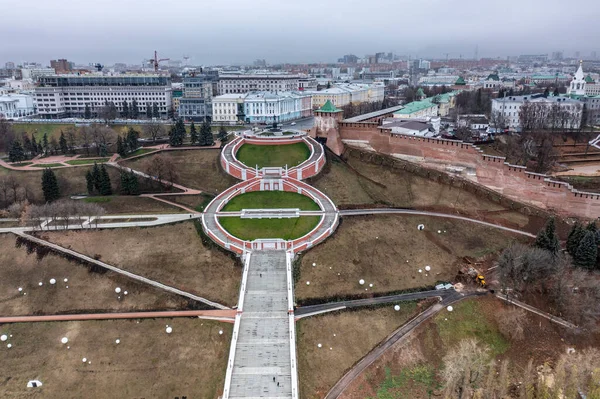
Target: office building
[[61, 65], [345, 93], [261, 107], [195, 104], [244, 83], [60, 96]]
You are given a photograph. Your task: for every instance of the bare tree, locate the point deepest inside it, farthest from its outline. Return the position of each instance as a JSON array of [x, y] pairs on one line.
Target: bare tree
[[464, 368], [153, 131], [101, 137], [511, 323], [85, 135], [162, 170]]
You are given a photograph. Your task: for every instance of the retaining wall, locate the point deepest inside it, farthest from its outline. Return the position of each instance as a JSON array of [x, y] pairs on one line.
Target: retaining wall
[[491, 171]]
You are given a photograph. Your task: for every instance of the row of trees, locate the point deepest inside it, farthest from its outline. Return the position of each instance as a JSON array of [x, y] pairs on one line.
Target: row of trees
[[59, 213], [129, 143], [131, 110], [27, 148], [98, 181], [204, 137]]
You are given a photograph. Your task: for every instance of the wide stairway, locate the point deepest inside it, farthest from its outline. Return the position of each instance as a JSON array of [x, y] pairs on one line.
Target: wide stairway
[[263, 347]]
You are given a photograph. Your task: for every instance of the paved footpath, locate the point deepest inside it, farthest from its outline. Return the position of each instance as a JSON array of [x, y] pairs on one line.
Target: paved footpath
[[263, 347]]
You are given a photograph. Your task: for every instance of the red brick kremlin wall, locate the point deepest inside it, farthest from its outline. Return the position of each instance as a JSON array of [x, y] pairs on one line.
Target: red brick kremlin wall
[[492, 172]]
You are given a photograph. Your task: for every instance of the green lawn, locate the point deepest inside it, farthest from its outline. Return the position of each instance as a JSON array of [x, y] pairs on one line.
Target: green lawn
[[271, 199], [39, 129], [273, 155], [252, 229], [468, 320], [87, 161], [46, 165], [97, 200], [22, 164]]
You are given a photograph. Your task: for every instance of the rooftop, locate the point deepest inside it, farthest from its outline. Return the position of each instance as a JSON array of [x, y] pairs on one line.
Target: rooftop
[[415, 106], [374, 114], [329, 107]]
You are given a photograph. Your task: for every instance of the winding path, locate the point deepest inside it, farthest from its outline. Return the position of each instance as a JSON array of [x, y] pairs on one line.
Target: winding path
[[385, 211]]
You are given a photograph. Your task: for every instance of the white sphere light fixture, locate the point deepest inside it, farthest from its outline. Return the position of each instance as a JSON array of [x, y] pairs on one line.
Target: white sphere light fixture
[[3, 338], [361, 281], [64, 340], [118, 290], [169, 330], [397, 308], [450, 308], [308, 283], [427, 268], [52, 281], [421, 227]]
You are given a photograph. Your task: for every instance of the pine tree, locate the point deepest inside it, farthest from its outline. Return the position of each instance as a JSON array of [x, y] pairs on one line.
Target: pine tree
[[125, 113], [105, 187], [64, 148], [96, 177], [87, 114], [129, 183], [222, 135], [155, 113], [148, 111], [206, 137], [89, 180], [45, 143], [547, 238], [27, 145], [193, 134], [120, 147], [50, 185], [16, 153], [587, 251], [34, 146], [177, 133], [556, 92], [134, 110], [574, 239], [132, 140]]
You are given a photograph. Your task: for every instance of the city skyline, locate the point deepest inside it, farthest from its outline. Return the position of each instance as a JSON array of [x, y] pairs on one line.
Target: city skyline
[[238, 32]]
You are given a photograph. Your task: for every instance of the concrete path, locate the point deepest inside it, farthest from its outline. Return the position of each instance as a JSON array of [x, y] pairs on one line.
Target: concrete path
[[218, 315], [55, 159], [397, 336], [262, 351], [384, 211], [306, 311], [121, 271]]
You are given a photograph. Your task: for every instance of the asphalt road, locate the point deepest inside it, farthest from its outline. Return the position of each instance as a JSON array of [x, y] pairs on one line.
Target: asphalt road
[[307, 310]]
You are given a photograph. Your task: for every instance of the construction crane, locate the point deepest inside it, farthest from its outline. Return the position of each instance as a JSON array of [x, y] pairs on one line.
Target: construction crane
[[156, 60]]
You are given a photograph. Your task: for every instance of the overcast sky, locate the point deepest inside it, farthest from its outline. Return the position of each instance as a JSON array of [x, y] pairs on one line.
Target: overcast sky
[[238, 31]]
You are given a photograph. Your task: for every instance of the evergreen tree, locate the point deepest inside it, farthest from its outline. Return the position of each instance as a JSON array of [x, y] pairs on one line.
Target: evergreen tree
[[96, 177], [64, 148], [45, 143], [102, 150], [28, 146], [148, 111], [89, 180], [132, 140], [15, 152], [129, 183], [134, 110], [206, 137], [120, 147], [587, 251], [105, 187], [592, 227], [155, 113], [54, 146], [222, 135], [125, 113], [193, 134], [177, 133], [50, 185], [34, 146], [87, 114], [547, 238], [574, 239]]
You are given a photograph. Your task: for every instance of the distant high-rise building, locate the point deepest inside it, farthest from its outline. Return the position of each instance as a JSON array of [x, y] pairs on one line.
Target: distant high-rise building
[[9, 65], [61, 65], [348, 59], [557, 56], [379, 57], [260, 63], [424, 64], [594, 55]]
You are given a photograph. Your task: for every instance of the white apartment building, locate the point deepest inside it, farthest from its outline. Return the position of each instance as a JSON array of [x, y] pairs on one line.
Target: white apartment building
[[35, 73], [244, 83], [227, 108], [507, 109], [346, 93], [60, 96], [261, 107], [14, 106]]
